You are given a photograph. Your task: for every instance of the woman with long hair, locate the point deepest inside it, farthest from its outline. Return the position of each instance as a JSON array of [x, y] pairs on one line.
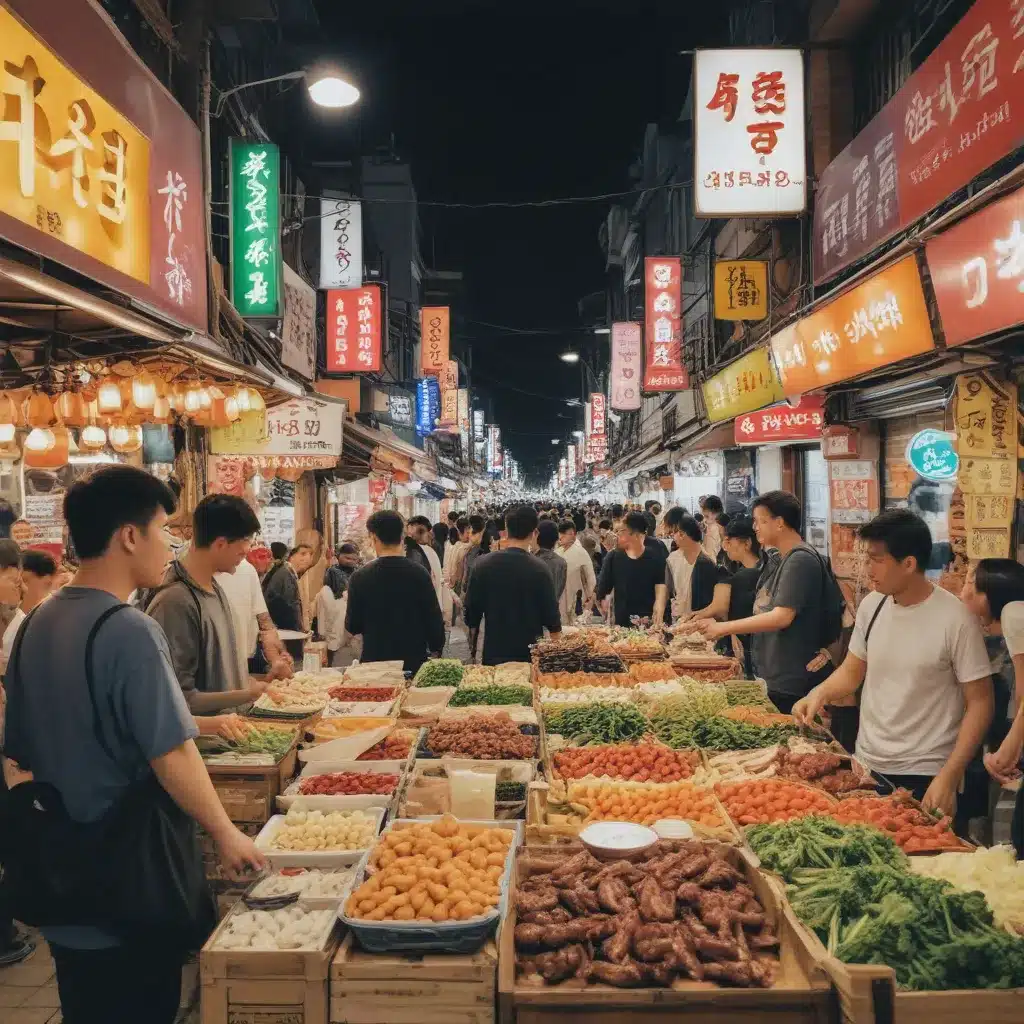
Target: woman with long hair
[[439, 541]]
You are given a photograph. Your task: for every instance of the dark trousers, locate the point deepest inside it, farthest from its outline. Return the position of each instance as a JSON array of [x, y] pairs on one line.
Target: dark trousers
[[783, 701], [918, 786], [122, 985]]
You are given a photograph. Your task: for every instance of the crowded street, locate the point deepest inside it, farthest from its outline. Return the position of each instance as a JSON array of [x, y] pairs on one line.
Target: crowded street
[[511, 517]]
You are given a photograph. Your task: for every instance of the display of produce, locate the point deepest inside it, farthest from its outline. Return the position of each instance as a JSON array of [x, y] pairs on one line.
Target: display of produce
[[485, 737], [645, 803], [585, 651], [293, 927], [680, 729], [509, 792], [748, 692], [480, 675], [652, 691], [756, 801], [337, 831], [348, 784], [364, 694], [327, 729], [581, 680], [634, 643], [995, 873], [595, 723], [914, 829], [512, 673], [492, 695], [640, 762], [692, 701], [684, 911], [395, 747], [304, 693], [755, 715], [435, 871], [439, 672], [268, 741], [652, 671], [834, 773], [584, 695], [307, 883]]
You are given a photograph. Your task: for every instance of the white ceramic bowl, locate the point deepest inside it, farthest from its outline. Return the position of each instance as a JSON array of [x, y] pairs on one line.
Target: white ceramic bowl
[[673, 828], [612, 840]]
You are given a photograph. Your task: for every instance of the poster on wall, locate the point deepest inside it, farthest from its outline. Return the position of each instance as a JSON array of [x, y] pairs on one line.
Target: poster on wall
[[298, 335], [277, 525]]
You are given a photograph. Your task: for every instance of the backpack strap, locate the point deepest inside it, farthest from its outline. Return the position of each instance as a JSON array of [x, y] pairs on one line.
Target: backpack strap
[[874, 616], [11, 673], [90, 680]]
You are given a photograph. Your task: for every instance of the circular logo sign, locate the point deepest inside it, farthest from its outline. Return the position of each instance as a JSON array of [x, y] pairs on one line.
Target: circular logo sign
[[22, 532], [932, 455]]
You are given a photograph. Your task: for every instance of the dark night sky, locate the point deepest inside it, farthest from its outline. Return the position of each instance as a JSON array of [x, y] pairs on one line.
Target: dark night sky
[[526, 107]]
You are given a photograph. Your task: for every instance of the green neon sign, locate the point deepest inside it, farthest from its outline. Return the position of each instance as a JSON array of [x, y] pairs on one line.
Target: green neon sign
[[255, 228]]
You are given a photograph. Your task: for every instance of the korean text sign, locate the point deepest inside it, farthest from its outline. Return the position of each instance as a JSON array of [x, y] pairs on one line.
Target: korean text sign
[[301, 426], [957, 114], [800, 421], [341, 243], [663, 325], [741, 289], [255, 228], [353, 330], [104, 177], [878, 322], [627, 355], [435, 327], [749, 155], [977, 270], [749, 383]]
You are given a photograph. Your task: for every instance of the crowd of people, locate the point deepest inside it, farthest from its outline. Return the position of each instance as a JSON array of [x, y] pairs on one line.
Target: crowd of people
[[111, 675]]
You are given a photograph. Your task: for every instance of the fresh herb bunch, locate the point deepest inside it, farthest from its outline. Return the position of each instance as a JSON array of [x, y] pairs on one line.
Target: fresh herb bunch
[[439, 672], [509, 792], [493, 695]]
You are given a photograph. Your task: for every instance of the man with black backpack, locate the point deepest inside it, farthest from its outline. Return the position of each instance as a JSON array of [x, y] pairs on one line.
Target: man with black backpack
[[99, 846], [798, 608]]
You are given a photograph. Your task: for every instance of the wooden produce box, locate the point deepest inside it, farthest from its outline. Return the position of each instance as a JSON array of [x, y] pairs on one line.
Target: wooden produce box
[[264, 986], [248, 792], [800, 994], [433, 988], [211, 862]]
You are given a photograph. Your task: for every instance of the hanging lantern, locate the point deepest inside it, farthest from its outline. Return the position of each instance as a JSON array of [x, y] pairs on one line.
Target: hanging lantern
[[125, 438], [7, 433], [215, 391], [205, 398], [144, 391], [161, 411], [218, 413], [38, 410], [256, 403], [92, 438], [243, 399], [108, 398], [72, 410], [193, 403], [8, 410], [231, 408], [40, 439]]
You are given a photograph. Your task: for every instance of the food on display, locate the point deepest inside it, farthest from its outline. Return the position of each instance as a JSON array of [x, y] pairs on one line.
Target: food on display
[[267, 742], [512, 673], [632, 643], [645, 803], [748, 692], [395, 747], [509, 792], [328, 831], [584, 694], [912, 828], [831, 772], [651, 671], [348, 784], [293, 927], [707, 673], [641, 762], [577, 652], [683, 911], [595, 723], [304, 692], [579, 680], [692, 701], [756, 715], [478, 675], [364, 694], [485, 737], [492, 695], [995, 873], [308, 883], [438, 871], [439, 672], [662, 688], [328, 729], [756, 801], [714, 732]]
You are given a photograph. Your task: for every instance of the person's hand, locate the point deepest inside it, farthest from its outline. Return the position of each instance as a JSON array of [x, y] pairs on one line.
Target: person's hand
[[941, 795], [281, 668], [258, 687], [808, 708], [710, 628], [819, 661], [238, 855], [230, 727], [1002, 765]]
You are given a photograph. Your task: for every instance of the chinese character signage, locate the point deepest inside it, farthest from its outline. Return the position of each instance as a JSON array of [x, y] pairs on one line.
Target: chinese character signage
[[400, 409], [478, 426], [428, 405], [932, 454], [435, 326], [749, 383], [301, 426], [749, 153], [104, 177], [598, 417], [952, 119], [663, 325], [986, 421], [255, 228], [353, 330], [627, 353], [298, 335], [977, 270], [741, 289], [785, 423], [449, 417], [878, 322], [341, 243], [499, 455]]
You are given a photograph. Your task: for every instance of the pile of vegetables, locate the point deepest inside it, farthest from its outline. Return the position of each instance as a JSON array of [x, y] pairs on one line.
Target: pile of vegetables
[[931, 935], [757, 801], [713, 732], [749, 694], [509, 792], [595, 723], [756, 715], [477, 675], [369, 694], [820, 842], [913, 829], [641, 762], [492, 695], [260, 739], [348, 784], [646, 803], [439, 672]]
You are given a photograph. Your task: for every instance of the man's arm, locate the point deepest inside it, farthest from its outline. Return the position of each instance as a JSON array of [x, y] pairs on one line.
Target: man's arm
[[354, 612], [767, 622], [606, 583], [719, 607], [660, 601], [435, 620], [842, 683], [589, 578], [551, 617]]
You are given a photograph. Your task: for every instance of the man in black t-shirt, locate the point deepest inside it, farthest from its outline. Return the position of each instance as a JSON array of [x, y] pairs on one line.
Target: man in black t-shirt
[[691, 577], [635, 574]]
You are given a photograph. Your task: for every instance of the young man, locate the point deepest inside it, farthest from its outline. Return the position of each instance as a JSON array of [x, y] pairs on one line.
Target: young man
[[477, 525], [635, 574], [786, 626], [38, 581], [117, 519], [694, 582], [580, 580], [419, 529], [391, 602], [513, 591], [919, 652], [547, 538], [281, 588]]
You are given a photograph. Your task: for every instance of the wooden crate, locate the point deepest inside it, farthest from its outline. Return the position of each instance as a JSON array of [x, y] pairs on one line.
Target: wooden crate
[[433, 988], [801, 993], [248, 792], [264, 986], [211, 861]]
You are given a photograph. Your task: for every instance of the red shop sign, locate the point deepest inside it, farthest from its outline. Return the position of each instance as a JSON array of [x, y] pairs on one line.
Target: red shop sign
[[800, 420], [977, 270], [353, 329], [663, 325], [378, 488]]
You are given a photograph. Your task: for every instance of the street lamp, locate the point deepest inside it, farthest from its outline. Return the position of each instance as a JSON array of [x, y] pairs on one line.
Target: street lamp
[[326, 88], [569, 356]]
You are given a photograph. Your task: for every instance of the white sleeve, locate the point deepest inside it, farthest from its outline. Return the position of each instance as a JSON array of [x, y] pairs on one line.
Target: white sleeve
[[259, 602], [865, 613], [968, 654], [1012, 623]]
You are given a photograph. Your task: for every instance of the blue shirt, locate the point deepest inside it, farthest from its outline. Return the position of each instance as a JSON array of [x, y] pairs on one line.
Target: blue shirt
[[48, 730]]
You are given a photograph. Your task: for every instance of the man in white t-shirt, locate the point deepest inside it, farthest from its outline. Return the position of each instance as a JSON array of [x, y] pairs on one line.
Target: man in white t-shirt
[[252, 621], [580, 579], [927, 699]]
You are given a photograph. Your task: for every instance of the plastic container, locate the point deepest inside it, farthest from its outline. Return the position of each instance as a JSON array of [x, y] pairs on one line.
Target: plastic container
[[343, 801], [310, 858], [615, 840]]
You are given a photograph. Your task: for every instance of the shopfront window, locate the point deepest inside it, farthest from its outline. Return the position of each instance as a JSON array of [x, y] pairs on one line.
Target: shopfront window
[[740, 492], [815, 498]]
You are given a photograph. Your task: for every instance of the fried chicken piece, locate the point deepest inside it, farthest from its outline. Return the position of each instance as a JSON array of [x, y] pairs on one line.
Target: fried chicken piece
[[652, 950], [720, 875], [659, 974], [559, 915], [530, 934], [580, 901], [560, 964], [716, 950], [566, 874], [627, 975], [616, 948], [689, 893], [744, 975], [684, 958], [531, 902], [695, 865], [765, 939], [613, 896], [656, 903]]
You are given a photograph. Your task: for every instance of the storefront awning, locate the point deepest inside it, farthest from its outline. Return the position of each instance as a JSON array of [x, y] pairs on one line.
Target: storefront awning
[[389, 448]]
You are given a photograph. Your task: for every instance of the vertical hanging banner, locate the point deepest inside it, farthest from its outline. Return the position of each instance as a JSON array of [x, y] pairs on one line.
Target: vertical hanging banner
[[428, 405], [627, 357], [499, 455], [354, 330], [598, 421], [663, 325], [463, 416], [570, 461], [479, 432], [596, 447], [435, 330], [341, 243], [298, 333], [449, 383], [255, 232]]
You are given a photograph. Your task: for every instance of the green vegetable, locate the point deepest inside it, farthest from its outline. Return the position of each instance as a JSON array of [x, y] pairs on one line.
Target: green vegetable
[[492, 695], [713, 732], [509, 792], [749, 694], [595, 723], [259, 740], [439, 672], [820, 842]]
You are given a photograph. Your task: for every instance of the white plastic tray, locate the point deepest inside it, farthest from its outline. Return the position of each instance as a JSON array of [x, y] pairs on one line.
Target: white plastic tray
[[343, 801], [309, 858], [336, 708]]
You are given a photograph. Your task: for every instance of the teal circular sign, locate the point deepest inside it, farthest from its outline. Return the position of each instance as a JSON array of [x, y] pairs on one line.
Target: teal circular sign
[[932, 455]]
